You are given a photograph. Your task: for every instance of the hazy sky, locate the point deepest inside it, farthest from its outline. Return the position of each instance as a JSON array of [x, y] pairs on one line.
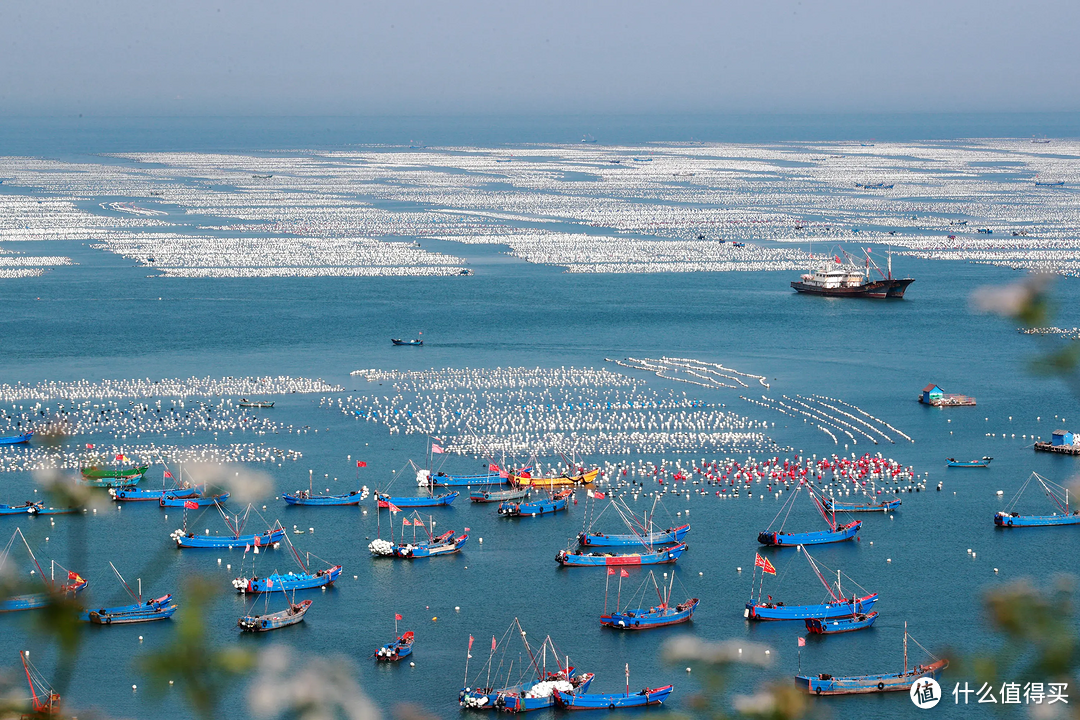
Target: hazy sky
[[628, 56]]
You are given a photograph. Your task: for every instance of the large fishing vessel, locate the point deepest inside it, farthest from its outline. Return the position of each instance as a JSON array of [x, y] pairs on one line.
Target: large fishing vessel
[[848, 279]]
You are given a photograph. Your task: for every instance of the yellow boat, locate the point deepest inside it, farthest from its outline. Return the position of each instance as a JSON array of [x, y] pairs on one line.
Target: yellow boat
[[551, 482]]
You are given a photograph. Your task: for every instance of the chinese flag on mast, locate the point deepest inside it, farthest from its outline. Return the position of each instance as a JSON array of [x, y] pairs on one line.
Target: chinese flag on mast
[[764, 564], [437, 449], [361, 463], [397, 616], [623, 573]]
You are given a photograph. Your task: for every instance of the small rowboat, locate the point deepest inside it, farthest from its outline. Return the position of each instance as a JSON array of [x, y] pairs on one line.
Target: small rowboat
[[825, 611], [953, 462], [191, 540], [28, 507], [489, 496], [245, 403], [667, 555], [16, 439], [586, 478], [671, 535], [858, 621], [816, 537], [611, 701], [430, 501], [655, 617], [304, 497], [398, 341], [394, 651], [130, 493], [198, 501], [273, 621], [103, 477], [532, 508], [287, 583], [883, 506]]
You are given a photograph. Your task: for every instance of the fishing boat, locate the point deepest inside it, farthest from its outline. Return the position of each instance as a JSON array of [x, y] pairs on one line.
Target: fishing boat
[[659, 615], [601, 559], [421, 501], [193, 502], [43, 699], [1058, 495], [267, 538], [17, 439], [103, 477], [425, 478], [138, 612], [671, 535], [835, 533], [150, 606], [838, 606], [55, 511], [394, 651], [245, 403], [130, 493], [849, 279], [32, 601], [445, 544], [525, 479], [825, 684], [953, 462], [277, 620], [858, 621], [303, 497], [534, 686], [490, 496], [27, 507], [539, 506], [612, 701], [397, 341], [883, 506], [288, 582]]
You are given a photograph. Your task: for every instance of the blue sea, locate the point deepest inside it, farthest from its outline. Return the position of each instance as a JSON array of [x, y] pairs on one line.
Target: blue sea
[[104, 318]]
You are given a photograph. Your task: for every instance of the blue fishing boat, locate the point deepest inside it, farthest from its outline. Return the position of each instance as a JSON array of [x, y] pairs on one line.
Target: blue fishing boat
[[17, 439], [288, 582], [612, 701], [30, 601], [499, 496], [303, 497], [393, 651], [639, 618], [445, 544], [984, 462], [600, 559], [838, 607], [883, 506], [1058, 495], [534, 685], [152, 605], [397, 341], [422, 501], [267, 538], [826, 684], [539, 506], [859, 621], [130, 493], [191, 503], [425, 478], [27, 507], [122, 616], [671, 535], [839, 533], [275, 621], [835, 533], [54, 511]]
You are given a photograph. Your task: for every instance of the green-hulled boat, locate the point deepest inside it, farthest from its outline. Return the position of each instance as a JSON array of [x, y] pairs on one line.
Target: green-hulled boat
[[104, 477]]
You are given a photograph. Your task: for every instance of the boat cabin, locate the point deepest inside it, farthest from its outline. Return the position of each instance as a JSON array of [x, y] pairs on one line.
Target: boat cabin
[[834, 275], [1062, 437], [932, 392]]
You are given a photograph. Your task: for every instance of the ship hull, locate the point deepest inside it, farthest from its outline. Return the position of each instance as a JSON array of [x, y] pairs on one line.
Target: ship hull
[[878, 289]]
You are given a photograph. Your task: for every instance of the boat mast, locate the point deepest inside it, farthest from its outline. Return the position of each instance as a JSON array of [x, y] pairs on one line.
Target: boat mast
[[905, 647]]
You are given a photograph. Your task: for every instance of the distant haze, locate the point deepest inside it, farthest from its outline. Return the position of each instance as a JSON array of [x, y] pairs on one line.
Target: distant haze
[[627, 56]]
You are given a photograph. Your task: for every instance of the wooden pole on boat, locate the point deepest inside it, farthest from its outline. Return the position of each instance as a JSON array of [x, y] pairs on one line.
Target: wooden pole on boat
[[905, 647], [618, 601], [627, 679], [607, 583]]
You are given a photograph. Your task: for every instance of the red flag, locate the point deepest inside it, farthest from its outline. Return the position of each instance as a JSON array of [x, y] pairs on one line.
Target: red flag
[[396, 616], [256, 538], [837, 260], [192, 505], [493, 467], [393, 507], [623, 573], [72, 575], [89, 446], [470, 643], [405, 521], [361, 463], [611, 571], [802, 642], [168, 474], [598, 496], [492, 643], [764, 564], [437, 449], [120, 457], [466, 529]]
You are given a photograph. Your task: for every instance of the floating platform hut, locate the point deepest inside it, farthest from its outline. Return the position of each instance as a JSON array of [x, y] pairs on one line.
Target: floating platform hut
[[1062, 441], [936, 397]]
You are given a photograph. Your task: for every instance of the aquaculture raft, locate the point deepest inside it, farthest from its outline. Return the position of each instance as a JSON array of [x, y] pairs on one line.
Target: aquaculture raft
[[934, 396]]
